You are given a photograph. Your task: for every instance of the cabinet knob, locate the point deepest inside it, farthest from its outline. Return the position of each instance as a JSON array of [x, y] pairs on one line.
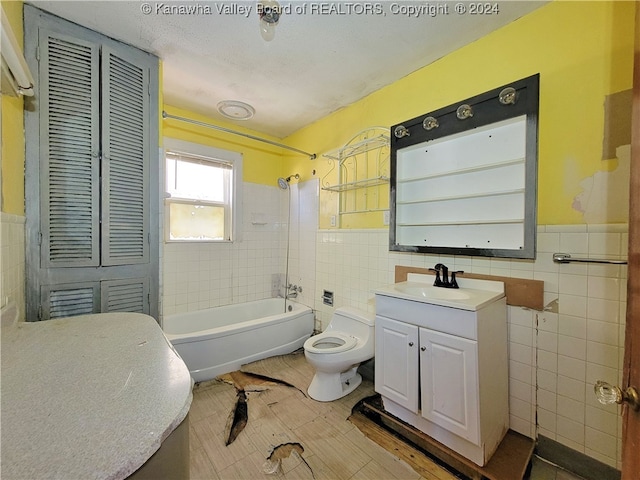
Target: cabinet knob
[[423, 348], [411, 344]]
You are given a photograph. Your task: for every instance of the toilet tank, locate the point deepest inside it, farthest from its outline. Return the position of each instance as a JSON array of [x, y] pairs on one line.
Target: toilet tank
[[354, 321]]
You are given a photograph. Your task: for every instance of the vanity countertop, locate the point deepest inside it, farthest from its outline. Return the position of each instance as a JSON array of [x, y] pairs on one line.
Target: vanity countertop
[[88, 397], [472, 295]]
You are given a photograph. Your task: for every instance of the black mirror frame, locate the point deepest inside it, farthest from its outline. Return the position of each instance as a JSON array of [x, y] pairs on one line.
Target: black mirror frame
[[487, 109]]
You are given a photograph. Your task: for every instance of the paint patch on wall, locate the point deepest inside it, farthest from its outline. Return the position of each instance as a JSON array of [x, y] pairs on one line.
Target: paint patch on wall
[[617, 122], [605, 195]]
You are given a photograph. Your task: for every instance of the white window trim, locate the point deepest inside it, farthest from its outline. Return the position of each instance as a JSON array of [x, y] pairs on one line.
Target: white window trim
[[198, 149]]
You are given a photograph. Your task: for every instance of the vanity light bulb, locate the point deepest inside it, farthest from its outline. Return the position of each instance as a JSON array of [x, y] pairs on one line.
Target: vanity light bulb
[[464, 111], [401, 131], [430, 123], [507, 96]]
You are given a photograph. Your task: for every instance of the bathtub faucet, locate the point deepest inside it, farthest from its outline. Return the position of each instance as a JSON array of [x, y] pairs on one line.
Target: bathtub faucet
[[293, 290]]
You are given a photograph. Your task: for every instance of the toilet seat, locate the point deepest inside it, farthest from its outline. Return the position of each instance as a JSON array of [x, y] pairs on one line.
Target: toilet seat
[[330, 342]]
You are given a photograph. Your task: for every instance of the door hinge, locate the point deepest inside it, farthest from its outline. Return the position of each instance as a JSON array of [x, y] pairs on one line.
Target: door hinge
[[40, 238], [38, 53], [39, 313]]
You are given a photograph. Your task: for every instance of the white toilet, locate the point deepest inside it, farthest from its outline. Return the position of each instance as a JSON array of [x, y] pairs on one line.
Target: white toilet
[[337, 352]]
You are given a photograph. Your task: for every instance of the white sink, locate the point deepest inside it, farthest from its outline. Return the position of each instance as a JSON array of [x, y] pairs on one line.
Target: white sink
[[429, 291], [473, 294]]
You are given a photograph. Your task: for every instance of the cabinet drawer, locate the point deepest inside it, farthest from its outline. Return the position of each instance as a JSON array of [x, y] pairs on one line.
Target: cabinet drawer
[[461, 323]]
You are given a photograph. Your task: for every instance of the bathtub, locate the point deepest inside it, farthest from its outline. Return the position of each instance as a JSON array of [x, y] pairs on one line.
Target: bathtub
[[219, 340]]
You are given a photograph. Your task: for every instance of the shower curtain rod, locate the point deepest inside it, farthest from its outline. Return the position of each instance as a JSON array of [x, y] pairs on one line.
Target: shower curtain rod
[[312, 156]]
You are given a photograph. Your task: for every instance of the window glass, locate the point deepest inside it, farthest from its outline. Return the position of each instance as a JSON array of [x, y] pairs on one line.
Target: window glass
[[199, 191]]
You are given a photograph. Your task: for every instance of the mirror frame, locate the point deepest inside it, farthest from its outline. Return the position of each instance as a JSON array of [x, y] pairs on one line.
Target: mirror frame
[[487, 110]]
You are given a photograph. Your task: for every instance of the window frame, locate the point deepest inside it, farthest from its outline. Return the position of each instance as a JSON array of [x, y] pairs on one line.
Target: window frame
[[214, 155]]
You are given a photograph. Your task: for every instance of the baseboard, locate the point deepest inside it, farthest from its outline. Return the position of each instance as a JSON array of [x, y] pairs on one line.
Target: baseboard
[[575, 462]]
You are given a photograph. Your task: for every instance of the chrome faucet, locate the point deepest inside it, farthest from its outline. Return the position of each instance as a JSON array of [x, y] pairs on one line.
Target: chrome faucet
[[444, 282], [293, 290]]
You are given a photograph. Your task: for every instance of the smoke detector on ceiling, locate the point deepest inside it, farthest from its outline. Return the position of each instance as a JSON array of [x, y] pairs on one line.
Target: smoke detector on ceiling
[[236, 110]]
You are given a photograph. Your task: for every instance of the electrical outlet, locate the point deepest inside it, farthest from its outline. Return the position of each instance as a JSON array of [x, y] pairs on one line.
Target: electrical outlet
[[385, 217], [333, 220]]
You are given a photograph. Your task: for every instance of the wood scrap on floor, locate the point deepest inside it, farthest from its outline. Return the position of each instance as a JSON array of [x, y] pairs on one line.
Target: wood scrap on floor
[[292, 369], [237, 418], [509, 462], [281, 452]]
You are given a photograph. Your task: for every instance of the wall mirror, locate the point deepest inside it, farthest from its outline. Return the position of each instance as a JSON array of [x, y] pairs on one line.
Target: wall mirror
[[463, 178]]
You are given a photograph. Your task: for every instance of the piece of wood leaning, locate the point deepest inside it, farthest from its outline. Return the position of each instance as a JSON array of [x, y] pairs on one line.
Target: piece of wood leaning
[[520, 292], [509, 462]]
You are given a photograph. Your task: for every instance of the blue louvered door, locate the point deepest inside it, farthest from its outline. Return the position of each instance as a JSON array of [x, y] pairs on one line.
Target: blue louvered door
[[92, 243], [125, 166]]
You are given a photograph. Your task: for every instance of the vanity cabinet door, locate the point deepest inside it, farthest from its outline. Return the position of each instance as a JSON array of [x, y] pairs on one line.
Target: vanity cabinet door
[[449, 383], [396, 372]]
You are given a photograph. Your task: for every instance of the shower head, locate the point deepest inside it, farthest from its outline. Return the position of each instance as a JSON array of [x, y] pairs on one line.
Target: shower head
[[283, 183]]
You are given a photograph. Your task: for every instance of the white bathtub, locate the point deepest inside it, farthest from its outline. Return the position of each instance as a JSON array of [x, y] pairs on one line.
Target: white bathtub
[[219, 340]]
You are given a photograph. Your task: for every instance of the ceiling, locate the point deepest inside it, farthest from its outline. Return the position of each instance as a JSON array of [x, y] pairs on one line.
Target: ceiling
[[321, 59]]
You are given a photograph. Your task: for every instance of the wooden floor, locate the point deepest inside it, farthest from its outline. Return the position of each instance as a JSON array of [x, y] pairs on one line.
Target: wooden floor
[[313, 440], [333, 447]]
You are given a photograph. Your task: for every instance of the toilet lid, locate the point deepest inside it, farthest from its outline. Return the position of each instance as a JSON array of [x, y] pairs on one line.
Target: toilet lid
[[333, 342]]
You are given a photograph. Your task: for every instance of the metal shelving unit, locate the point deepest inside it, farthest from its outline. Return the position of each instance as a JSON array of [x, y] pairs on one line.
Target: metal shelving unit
[[363, 172]]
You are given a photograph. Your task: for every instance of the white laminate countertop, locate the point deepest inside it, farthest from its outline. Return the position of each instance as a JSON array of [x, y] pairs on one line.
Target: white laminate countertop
[[88, 397]]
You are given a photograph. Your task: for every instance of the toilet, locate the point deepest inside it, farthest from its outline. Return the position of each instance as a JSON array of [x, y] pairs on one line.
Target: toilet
[[337, 352]]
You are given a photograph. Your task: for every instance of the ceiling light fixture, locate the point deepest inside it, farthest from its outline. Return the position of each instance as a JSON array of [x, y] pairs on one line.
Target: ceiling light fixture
[[236, 110], [269, 12]]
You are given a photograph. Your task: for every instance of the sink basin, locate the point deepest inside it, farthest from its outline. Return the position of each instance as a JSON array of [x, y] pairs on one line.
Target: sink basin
[[429, 291], [473, 295]]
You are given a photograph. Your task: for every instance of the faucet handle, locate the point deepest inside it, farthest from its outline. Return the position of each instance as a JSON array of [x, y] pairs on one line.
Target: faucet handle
[[454, 283]]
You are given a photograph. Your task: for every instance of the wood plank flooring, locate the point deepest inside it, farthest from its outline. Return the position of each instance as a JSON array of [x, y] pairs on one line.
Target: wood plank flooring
[[334, 448]]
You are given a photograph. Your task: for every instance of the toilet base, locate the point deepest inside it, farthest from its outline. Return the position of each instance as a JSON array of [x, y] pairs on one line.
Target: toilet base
[[326, 387]]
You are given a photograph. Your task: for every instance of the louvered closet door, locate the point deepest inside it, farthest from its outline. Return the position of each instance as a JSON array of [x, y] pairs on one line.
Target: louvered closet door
[[125, 166], [70, 170], [130, 295], [91, 184]]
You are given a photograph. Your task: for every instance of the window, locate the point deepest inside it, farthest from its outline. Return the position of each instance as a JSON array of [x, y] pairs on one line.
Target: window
[[201, 185]]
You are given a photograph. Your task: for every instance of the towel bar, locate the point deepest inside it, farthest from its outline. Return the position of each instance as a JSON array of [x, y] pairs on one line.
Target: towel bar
[[566, 258]]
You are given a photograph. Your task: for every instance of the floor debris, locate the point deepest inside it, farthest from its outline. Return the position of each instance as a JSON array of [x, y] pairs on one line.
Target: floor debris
[[237, 418], [274, 461]]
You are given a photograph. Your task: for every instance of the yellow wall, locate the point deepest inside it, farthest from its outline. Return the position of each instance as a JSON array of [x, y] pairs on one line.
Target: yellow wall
[[262, 163], [13, 131], [583, 52]]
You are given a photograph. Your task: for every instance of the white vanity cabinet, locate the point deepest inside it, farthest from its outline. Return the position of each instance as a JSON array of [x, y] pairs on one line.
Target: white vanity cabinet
[[444, 370]]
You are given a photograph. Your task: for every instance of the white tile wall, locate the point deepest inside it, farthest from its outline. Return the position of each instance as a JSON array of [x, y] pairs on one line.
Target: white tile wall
[[12, 261], [555, 356], [196, 276]]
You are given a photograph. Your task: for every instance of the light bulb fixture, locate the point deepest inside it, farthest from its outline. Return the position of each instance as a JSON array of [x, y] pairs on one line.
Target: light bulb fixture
[[464, 111], [235, 110], [430, 123], [507, 96], [269, 13], [401, 131]]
